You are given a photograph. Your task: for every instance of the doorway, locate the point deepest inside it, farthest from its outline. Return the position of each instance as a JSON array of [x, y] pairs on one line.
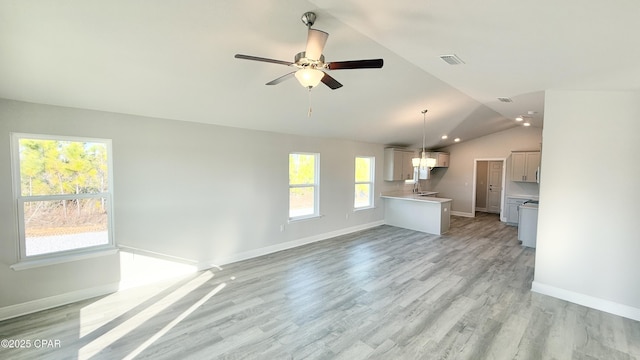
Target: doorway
[[488, 190]]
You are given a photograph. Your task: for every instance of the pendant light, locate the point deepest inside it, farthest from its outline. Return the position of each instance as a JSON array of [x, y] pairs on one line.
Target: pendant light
[[424, 163]]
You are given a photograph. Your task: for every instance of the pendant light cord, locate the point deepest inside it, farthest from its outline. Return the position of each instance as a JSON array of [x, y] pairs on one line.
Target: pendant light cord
[[424, 128]]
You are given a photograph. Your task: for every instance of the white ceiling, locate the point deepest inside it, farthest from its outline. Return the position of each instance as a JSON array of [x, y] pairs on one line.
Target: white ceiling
[[174, 59]]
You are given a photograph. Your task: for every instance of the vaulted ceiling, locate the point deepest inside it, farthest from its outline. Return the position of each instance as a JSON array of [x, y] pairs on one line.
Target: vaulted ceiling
[[175, 60]]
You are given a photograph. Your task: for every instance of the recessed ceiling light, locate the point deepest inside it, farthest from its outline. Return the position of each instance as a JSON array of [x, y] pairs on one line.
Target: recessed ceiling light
[[444, 137], [519, 118], [456, 139], [526, 124]]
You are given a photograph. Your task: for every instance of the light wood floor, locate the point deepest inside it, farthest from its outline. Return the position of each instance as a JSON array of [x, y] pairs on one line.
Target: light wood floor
[[383, 293]]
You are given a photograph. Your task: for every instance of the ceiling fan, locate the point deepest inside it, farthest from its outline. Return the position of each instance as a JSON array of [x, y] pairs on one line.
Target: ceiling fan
[[310, 63]]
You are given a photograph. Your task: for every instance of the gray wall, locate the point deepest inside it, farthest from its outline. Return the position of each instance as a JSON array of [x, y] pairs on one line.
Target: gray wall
[[207, 193], [588, 246], [456, 181]]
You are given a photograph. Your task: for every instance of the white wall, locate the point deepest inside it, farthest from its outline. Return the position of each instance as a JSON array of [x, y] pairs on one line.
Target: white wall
[[206, 193], [588, 246], [456, 181]]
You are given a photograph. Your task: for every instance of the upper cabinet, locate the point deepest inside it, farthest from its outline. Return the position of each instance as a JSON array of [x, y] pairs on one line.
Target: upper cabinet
[[442, 158], [525, 166], [397, 164]]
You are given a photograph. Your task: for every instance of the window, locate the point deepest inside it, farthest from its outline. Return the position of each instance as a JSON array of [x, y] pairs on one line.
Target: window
[[364, 182], [62, 188], [303, 185]]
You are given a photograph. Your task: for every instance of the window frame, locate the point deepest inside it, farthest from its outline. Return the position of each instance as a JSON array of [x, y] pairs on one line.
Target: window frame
[[315, 185], [371, 182], [25, 261]]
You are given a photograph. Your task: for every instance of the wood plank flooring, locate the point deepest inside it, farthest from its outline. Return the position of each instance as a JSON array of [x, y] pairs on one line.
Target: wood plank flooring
[[383, 293]]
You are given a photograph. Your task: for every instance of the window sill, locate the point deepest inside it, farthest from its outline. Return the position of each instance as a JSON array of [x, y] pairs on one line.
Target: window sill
[[60, 259], [304, 218], [364, 208]]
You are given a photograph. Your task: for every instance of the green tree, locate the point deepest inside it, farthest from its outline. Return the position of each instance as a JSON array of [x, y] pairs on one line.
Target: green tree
[[363, 169], [301, 169], [49, 167], [32, 168]]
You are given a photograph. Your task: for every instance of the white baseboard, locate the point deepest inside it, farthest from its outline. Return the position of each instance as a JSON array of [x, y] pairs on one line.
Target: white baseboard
[[29, 307], [284, 246], [460, 213], [588, 301]]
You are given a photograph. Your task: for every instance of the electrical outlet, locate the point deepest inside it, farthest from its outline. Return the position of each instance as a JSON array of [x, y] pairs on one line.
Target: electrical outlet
[[282, 228]]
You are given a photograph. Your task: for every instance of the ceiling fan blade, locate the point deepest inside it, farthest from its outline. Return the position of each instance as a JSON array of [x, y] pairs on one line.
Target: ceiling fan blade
[[281, 79], [356, 64], [330, 82], [255, 58], [316, 39]]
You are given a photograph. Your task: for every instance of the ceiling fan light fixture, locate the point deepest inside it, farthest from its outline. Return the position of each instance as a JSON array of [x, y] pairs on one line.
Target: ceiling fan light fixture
[[309, 78]]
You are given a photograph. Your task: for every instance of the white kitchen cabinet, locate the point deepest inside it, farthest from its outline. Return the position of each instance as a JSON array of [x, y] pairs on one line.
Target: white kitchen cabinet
[[442, 158], [512, 210], [525, 166], [397, 164]]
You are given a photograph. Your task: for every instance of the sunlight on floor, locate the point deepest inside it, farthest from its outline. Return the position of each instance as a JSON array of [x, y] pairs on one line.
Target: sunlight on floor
[[174, 322], [125, 327], [138, 269]]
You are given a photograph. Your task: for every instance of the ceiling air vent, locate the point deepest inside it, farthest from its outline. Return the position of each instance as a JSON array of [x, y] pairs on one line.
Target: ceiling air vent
[[505, 99], [452, 59]]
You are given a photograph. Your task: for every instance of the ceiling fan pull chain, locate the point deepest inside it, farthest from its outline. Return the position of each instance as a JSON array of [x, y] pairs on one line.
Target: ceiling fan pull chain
[[309, 113]]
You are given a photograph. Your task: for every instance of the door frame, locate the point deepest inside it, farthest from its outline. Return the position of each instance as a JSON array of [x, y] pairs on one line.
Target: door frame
[[504, 185]]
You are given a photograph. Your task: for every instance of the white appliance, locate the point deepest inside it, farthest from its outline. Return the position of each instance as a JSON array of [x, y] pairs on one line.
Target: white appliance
[[528, 223]]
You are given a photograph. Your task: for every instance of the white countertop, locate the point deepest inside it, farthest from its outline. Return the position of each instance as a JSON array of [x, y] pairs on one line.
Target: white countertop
[[529, 206], [417, 197], [525, 197]]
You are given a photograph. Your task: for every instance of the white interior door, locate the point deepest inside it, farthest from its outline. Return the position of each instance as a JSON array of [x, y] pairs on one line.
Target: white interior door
[[495, 186]]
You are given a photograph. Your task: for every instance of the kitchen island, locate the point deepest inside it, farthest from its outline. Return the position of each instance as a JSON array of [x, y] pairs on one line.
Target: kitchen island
[[420, 212]]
